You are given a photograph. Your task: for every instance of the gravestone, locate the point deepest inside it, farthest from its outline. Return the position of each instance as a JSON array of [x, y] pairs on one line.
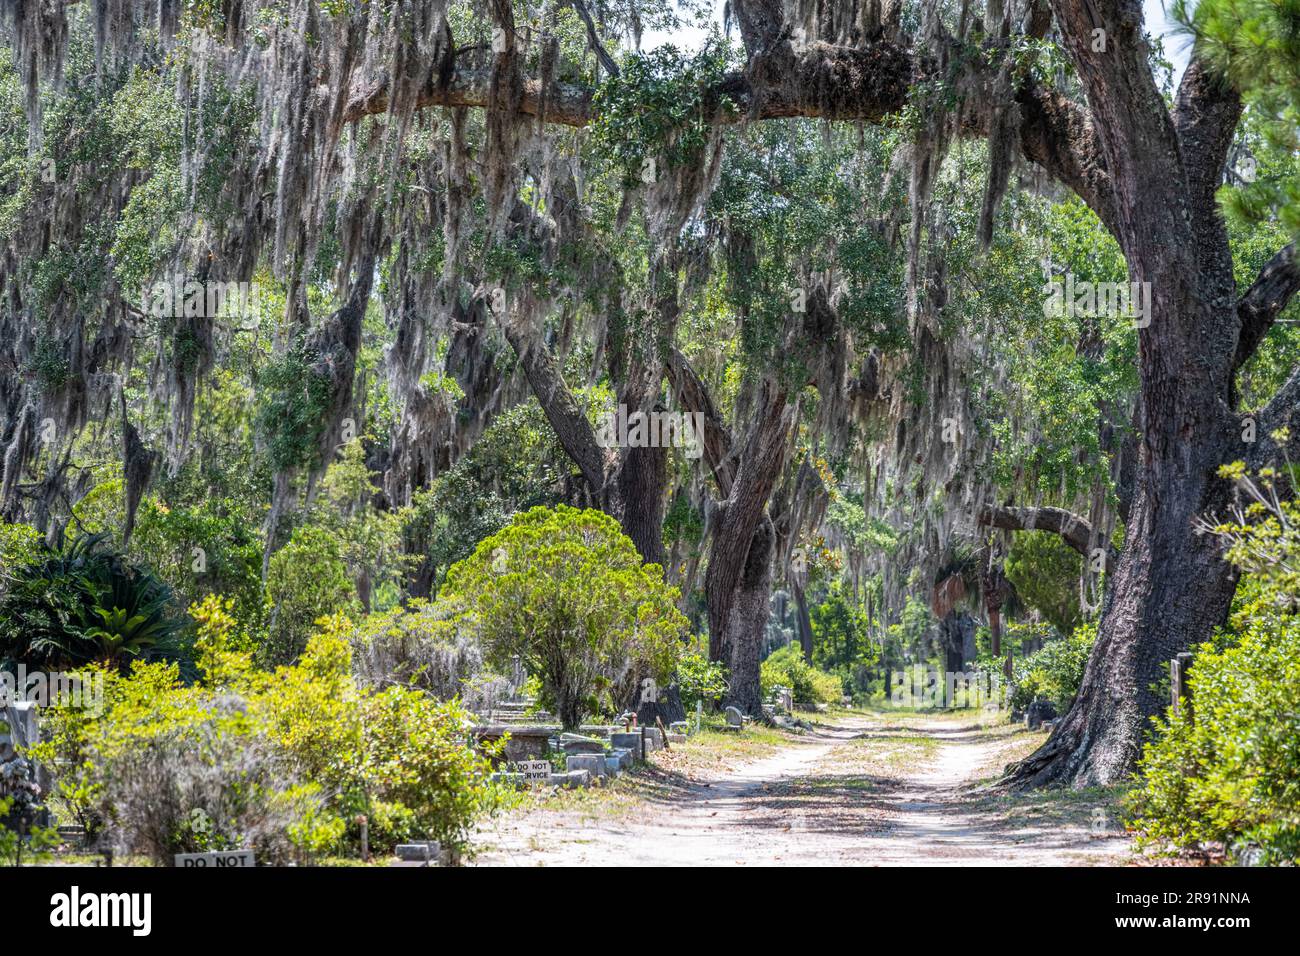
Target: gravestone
[[630, 742], [18, 728], [680, 727], [735, 719], [654, 739], [523, 742], [578, 744], [1180, 691], [623, 756], [429, 852], [594, 764], [570, 779], [1039, 711]]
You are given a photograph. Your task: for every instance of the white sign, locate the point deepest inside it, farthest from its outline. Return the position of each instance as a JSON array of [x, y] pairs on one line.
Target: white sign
[[534, 771], [230, 858]]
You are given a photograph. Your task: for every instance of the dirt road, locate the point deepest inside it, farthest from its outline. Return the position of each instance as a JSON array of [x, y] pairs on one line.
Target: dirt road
[[866, 790]]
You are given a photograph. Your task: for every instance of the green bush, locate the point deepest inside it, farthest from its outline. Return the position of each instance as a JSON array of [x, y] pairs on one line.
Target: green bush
[[282, 761], [1231, 774], [785, 667], [842, 643], [1044, 570], [1055, 672], [20, 545], [397, 755], [700, 679], [307, 579], [163, 768], [565, 592]]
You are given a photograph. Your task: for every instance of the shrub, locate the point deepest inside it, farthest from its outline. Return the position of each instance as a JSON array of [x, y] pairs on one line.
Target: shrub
[[785, 667], [566, 593], [1232, 773], [396, 755], [282, 761], [201, 779], [1055, 672], [307, 579], [20, 545], [700, 679], [167, 769], [420, 646]]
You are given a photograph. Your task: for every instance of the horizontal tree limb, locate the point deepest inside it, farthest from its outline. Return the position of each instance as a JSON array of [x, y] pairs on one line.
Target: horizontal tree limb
[[1074, 530]]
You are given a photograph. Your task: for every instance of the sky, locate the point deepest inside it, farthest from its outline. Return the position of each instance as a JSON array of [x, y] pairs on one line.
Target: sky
[[1157, 22]]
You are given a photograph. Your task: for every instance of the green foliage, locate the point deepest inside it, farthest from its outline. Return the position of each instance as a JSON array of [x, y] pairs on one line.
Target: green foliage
[[307, 579], [1231, 775], [1257, 42], [294, 400], [283, 761], [84, 603], [1230, 772], [1045, 571], [656, 109], [205, 547], [785, 667], [565, 591], [370, 538], [516, 463], [167, 769], [1055, 672], [396, 755], [842, 642], [700, 680], [20, 546]]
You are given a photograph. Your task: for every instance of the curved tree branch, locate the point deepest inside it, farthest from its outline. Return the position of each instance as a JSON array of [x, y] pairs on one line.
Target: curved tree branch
[[1074, 530], [865, 83], [561, 408], [593, 39]]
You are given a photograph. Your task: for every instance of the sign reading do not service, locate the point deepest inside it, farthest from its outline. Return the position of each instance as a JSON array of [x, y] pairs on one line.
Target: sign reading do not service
[[230, 858]]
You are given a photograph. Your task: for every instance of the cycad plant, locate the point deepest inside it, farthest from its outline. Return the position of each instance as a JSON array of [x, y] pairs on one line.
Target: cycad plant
[[81, 604]]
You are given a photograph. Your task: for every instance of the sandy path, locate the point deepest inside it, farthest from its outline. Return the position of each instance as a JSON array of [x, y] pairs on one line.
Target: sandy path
[[825, 799], [936, 820]]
